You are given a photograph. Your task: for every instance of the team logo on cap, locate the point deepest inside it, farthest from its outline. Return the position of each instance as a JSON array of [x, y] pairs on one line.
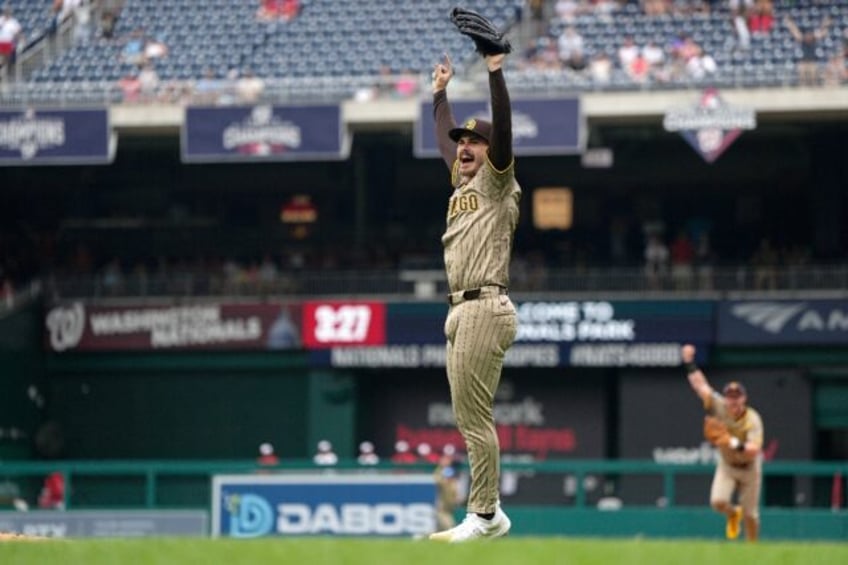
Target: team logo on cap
[[471, 124]]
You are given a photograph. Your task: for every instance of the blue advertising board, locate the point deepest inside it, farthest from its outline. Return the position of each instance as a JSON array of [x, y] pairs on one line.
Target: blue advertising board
[[56, 137], [782, 322], [586, 333], [539, 127], [323, 504], [263, 133]]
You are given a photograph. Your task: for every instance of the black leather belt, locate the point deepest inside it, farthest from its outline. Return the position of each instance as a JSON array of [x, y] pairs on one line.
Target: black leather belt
[[471, 294]]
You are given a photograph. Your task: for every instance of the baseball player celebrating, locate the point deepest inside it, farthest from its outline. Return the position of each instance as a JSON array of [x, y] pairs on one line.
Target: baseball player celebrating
[[736, 430], [481, 323]]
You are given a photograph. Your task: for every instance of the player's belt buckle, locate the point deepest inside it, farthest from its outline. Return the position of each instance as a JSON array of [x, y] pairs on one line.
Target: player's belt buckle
[[740, 465], [471, 294]]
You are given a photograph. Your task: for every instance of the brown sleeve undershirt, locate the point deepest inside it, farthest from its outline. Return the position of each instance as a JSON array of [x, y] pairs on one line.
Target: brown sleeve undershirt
[[500, 146], [443, 116]]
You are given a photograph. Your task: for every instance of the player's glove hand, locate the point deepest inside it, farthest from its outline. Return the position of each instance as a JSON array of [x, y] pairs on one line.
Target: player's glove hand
[[716, 432], [487, 39]]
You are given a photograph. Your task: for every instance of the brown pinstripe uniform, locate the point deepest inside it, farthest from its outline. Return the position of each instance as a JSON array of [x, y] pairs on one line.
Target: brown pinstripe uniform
[[481, 325], [733, 467]]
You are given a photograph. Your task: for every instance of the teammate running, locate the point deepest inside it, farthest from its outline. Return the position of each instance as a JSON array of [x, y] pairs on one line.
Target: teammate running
[[736, 430]]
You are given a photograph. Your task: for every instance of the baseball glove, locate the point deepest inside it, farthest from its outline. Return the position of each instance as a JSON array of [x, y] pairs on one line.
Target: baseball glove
[[716, 432], [487, 39]]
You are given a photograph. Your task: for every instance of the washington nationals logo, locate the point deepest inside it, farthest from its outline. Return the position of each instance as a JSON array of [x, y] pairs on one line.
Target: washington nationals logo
[[65, 326]]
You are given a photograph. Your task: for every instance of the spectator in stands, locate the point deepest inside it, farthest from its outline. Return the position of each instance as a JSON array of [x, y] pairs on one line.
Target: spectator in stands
[[739, 11], [133, 50], [627, 51], [638, 69], [130, 87], [655, 58], [155, 48], [566, 11], [836, 71], [656, 261], [761, 18], [655, 7], [600, 69], [249, 87], [569, 45], [406, 84], [605, 9], [11, 37], [148, 82], [682, 254], [704, 261], [81, 12], [208, 89], [285, 10], [765, 260], [808, 66]]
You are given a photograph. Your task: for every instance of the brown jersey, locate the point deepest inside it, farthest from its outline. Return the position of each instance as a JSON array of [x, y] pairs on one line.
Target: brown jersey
[[748, 428], [481, 220]]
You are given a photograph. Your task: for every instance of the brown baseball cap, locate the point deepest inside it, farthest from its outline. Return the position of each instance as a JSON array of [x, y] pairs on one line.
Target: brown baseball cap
[[734, 389], [480, 128]]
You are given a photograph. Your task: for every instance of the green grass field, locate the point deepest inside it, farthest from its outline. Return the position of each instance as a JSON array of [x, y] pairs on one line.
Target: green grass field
[[378, 552]]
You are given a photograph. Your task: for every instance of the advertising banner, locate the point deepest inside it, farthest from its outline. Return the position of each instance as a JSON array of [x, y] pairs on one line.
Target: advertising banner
[[78, 327], [56, 137], [783, 322], [336, 504], [539, 127], [106, 523], [264, 133], [540, 415], [550, 334]]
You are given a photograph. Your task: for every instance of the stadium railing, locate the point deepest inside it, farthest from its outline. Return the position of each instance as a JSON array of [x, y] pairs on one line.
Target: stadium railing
[[163, 485], [823, 280]]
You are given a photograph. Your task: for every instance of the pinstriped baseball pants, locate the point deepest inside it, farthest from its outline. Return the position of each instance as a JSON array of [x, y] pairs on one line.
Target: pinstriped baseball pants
[[479, 332]]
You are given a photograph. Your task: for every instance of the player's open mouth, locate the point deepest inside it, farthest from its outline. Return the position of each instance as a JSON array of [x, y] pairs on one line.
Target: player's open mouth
[[466, 158]]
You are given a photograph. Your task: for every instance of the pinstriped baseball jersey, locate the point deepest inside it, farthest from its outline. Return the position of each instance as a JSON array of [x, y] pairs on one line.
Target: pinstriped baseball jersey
[[481, 220], [748, 428]]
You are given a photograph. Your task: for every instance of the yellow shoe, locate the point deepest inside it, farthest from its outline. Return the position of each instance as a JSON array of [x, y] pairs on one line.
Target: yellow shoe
[[734, 523]]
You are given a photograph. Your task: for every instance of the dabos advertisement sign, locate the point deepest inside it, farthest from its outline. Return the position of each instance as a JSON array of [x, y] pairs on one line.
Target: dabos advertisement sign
[[245, 506]]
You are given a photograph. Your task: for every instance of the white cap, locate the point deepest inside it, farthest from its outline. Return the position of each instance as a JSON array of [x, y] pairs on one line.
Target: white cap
[[401, 446], [366, 447], [325, 445], [424, 449], [266, 448]]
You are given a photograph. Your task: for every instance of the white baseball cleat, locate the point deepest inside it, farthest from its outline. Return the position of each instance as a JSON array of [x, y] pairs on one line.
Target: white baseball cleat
[[474, 527]]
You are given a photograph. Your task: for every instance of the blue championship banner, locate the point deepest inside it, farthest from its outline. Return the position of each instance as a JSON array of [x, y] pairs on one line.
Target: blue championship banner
[[250, 506], [783, 322], [263, 133], [56, 137], [539, 127]]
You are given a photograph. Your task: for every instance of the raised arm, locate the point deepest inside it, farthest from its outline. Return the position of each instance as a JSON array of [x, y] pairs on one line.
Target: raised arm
[[442, 113], [697, 379], [500, 146], [793, 29]]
